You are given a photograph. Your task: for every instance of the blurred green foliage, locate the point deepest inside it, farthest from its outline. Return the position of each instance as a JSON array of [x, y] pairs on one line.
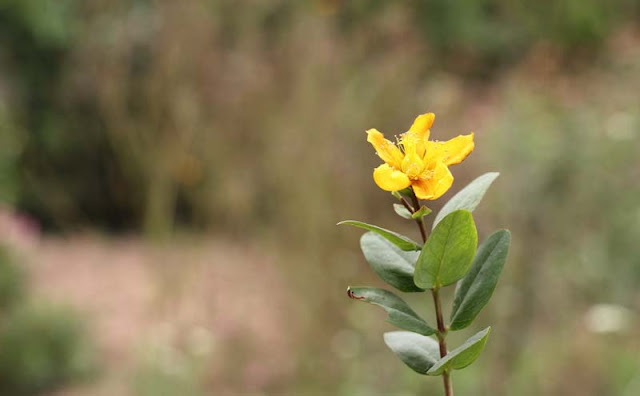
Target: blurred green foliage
[[12, 282], [495, 32], [167, 370], [42, 347], [10, 149]]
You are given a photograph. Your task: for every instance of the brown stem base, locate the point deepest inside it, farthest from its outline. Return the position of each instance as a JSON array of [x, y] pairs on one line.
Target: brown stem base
[[446, 379]]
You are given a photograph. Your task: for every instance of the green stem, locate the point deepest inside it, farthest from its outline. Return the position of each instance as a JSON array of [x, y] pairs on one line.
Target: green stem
[[416, 206], [407, 205], [442, 329], [442, 334]]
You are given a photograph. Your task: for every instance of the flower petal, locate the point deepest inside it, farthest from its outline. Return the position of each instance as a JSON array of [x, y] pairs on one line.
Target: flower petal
[[434, 184], [422, 124], [416, 138], [451, 152], [389, 152], [390, 179]]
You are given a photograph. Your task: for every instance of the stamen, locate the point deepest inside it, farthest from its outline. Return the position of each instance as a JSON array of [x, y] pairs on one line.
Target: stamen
[[399, 142]]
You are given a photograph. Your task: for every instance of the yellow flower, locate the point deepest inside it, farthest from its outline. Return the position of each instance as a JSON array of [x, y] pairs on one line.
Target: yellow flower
[[416, 161]]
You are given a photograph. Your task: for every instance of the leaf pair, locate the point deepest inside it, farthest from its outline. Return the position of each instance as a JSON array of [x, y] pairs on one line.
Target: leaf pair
[[472, 294], [445, 258], [448, 256], [422, 353], [405, 213]]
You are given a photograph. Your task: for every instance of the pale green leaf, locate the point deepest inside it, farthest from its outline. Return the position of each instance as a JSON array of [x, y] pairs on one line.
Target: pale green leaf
[[400, 241], [400, 314], [462, 356], [468, 198], [476, 288], [392, 264], [402, 211], [418, 352], [420, 213]]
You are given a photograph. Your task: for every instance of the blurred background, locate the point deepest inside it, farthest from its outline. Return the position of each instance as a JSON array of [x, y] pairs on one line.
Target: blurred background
[[171, 174]]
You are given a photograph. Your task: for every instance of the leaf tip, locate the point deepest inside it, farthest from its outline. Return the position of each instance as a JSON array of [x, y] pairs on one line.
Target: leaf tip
[[485, 333], [351, 294], [504, 234]]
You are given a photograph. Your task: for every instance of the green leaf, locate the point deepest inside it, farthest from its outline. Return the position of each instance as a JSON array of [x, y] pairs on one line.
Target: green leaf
[[462, 356], [422, 212], [400, 241], [407, 192], [392, 264], [475, 289], [448, 253], [467, 198], [402, 211], [415, 350], [400, 314]]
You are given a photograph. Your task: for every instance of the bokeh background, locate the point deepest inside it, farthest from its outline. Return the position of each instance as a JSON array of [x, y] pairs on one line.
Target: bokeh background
[[171, 173]]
